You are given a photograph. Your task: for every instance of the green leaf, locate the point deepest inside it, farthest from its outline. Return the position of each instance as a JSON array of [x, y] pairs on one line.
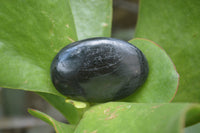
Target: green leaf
[[68, 110], [32, 32], [92, 17], [175, 26], [138, 118], [162, 80], [58, 126]]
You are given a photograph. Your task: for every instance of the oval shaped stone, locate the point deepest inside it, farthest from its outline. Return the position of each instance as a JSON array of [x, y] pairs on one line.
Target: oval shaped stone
[[99, 70]]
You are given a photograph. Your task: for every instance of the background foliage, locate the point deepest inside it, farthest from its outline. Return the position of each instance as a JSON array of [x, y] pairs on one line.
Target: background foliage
[[33, 32], [175, 26]]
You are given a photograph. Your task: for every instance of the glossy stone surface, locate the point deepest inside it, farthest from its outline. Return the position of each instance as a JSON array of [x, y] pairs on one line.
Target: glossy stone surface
[[99, 70]]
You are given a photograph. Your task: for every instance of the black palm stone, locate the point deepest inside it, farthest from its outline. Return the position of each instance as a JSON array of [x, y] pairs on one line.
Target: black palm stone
[[99, 70]]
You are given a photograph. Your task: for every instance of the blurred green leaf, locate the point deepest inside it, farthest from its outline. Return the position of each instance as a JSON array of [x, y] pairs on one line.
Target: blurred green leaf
[[175, 25], [58, 126], [119, 117], [162, 80], [31, 34], [92, 17], [72, 114]]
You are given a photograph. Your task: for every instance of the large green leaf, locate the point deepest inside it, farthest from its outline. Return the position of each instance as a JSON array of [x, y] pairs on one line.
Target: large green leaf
[[58, 126], [162, 80], [92, 17], [138, 118], [31, 34], [72, 114], [175, 25]]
